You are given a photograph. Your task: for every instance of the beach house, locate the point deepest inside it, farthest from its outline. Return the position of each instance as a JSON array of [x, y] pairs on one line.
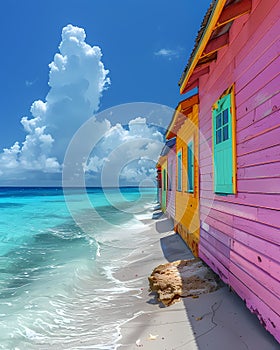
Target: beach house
[[184, 126], [230, 168]]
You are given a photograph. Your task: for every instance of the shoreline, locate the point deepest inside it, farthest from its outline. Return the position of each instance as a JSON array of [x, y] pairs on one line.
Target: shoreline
[[218, 320]]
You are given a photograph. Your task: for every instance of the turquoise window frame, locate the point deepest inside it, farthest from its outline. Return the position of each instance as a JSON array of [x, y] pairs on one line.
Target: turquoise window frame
[[223, 137], [190, 167], [179, 171]]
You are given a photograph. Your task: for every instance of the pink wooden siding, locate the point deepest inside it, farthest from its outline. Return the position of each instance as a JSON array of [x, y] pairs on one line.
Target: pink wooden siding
[[240, 234], [171, 164]]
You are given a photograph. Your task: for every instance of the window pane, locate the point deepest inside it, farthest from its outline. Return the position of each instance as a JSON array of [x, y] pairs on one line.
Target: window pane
[[225, 133], [218, 136], [218, 121], [190, 178], [225, 116]]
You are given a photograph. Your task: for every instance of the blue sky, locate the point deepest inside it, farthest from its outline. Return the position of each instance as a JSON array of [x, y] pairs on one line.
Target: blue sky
[[145, 47]]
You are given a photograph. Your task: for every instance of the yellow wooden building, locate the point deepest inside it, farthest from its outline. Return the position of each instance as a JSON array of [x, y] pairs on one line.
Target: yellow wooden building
[[184, 126]]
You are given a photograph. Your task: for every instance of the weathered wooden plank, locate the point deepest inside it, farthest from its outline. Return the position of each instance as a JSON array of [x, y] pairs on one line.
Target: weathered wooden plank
[[252, 261], [270, 298], [203, 162], [269, 216], [268, 107], [206, 133], [206, 194], [211, 260], [251, 98], [264, 156], [205, 147], [266, 232], [219, 211], [216, 244], [270, 170], [235, 209], [218, 235], [244, 120], [207, 186], [255, 63], [260, 37], [268, 318], [227, 218], [206, 177], [218, 225], [263, 185], [260, 79], [258, 244], [259, 127], [260, 142], [259, 73], [206, 170], [261, 200], [264, 110], [205, 159]]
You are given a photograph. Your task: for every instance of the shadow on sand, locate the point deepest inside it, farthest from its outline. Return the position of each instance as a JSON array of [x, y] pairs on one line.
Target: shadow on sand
[[174, 248]]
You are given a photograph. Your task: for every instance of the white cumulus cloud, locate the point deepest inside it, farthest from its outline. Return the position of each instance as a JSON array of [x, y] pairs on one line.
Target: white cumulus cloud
[[126, 154], [77, 79]]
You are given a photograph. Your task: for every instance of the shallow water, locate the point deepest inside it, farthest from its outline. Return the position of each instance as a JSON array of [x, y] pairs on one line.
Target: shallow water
[[57, 289]]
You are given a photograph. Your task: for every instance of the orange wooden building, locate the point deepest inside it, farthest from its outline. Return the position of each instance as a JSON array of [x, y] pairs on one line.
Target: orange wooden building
[[184, 126]]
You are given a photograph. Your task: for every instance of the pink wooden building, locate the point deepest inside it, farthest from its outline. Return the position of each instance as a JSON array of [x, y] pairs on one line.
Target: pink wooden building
[[235, 66], [166, 168]]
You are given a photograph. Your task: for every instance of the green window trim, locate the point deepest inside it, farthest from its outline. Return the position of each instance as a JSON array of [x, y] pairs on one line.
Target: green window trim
[[179, 171], [190, 167], [223, 137]]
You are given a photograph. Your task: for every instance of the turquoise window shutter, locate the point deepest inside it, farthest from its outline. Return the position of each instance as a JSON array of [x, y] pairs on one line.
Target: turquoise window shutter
[[222, 141], [179, 171], [190, 167]]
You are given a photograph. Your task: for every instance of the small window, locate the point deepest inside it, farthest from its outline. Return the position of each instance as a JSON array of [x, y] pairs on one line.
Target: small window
[[179, 171], [224, 144], [190, 169]]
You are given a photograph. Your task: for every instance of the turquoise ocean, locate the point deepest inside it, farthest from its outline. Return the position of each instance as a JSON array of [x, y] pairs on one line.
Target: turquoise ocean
[[57, 260]]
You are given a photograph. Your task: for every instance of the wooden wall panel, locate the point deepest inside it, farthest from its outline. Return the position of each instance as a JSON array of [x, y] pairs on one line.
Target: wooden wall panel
[[240, 233]]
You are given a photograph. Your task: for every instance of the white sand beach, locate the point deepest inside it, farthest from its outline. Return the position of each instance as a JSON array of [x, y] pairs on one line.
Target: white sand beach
[[218, 320]]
